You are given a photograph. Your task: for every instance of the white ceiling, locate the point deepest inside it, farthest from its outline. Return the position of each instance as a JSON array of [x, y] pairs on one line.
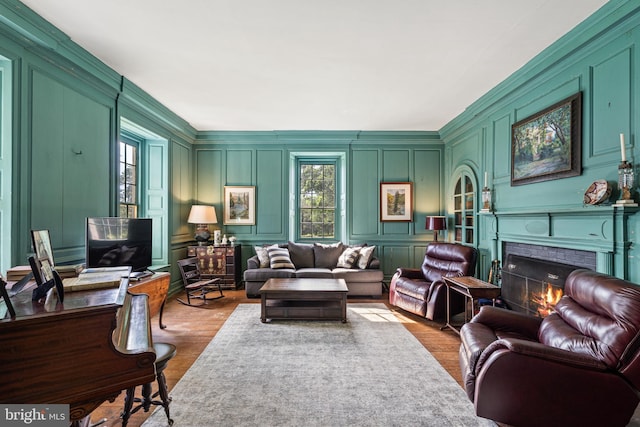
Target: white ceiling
[[315, 64]]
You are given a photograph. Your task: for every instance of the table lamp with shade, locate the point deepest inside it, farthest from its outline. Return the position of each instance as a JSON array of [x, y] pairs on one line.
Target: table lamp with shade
[[202, 216], [435, 223]]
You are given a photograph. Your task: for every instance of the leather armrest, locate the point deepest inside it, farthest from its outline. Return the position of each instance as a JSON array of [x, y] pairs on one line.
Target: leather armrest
[[410, 273], [500, 319], [541, 351]]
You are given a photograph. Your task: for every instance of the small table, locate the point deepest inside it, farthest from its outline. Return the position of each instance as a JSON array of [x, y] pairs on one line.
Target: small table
[[470, 288], [301, 298]]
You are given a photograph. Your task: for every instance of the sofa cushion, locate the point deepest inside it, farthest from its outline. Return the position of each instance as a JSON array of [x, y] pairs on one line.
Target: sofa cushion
[[348, 257], [366, 255], [326, 256], [264, 274], [279, 258], [316, 273], [353, 275], [301, 254]]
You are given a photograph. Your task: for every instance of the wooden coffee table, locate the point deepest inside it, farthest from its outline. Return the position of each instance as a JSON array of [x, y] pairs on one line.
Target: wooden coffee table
[[304, 298]]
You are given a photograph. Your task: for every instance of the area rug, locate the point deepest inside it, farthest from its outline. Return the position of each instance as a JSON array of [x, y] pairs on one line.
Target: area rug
[[369, 371]]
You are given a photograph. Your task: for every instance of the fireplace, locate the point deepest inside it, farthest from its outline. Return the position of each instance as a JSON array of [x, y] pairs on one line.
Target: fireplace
[[532, 285]]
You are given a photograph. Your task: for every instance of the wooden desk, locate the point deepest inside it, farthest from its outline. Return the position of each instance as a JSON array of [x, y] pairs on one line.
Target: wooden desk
[[80, 352], [157, 287], [472, 289], [83, 351]]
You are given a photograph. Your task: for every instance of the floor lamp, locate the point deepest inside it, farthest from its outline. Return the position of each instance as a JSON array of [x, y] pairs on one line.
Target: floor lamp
[[435, 223]]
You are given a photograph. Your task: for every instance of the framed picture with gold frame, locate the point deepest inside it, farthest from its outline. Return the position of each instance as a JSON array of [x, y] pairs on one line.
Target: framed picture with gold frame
[[239, 205], [396, 201]]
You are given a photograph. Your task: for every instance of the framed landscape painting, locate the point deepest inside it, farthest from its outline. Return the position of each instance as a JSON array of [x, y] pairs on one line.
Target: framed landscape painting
[[396, 201], [547, 145], [239, 205]]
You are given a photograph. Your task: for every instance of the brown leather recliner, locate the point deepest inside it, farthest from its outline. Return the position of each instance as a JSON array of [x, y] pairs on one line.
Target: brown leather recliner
[[422, 291], [579, 366]]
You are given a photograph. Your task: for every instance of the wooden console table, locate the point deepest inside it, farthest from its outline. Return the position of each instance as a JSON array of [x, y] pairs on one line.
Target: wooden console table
[[472, 289]]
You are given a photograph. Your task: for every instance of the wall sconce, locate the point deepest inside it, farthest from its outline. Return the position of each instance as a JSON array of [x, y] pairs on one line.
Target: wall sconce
[[202, 216], [435, 223]]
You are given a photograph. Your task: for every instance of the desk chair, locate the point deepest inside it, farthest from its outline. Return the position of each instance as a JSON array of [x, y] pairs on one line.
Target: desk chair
[[194, 285], [164, 353]]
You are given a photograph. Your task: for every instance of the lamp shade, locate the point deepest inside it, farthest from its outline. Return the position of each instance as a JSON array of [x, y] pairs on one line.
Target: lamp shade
[[435, 223], [201, 214]]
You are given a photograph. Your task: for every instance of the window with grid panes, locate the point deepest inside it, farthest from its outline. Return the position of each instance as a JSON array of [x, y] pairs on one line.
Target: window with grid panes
[[128, 180], [317, 200]]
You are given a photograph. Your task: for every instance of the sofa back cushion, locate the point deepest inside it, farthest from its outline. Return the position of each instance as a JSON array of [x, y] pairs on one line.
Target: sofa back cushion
[[448, 260], [326, 256], [301, 255], [599, 316]]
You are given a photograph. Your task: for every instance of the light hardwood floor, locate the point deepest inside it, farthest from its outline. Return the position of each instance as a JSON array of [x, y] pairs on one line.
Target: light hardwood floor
[[191, 329]]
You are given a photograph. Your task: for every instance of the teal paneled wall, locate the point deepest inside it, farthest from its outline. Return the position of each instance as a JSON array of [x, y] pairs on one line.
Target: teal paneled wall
[[371, 158], [69, 133], [596, 58], [271, 193], [364, 223]]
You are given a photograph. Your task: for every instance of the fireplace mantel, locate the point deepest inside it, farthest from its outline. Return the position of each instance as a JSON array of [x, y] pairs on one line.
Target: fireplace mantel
[[601, 229]]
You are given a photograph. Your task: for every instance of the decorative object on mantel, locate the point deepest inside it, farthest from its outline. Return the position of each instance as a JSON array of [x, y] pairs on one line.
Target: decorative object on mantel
[[486, 196], [217, 239], [202, 216], [598, 192], [625, 178], [232, 240], [435, 223]]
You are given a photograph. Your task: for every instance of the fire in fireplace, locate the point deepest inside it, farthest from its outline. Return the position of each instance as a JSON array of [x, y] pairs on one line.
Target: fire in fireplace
[[533, 286]]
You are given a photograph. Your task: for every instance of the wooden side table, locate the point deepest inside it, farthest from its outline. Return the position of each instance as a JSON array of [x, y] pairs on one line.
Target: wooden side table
[[472, 289]]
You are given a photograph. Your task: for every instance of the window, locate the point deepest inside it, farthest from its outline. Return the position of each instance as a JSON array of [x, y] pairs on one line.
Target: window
[[317, 199], [128, 184]]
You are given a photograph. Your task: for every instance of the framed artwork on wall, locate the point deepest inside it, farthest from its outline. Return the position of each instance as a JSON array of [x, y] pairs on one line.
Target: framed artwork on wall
[[547, 145], [396, 201], [239, 205]]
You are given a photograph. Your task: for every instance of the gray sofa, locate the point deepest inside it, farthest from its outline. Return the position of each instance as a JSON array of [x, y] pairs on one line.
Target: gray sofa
[[363, 276]]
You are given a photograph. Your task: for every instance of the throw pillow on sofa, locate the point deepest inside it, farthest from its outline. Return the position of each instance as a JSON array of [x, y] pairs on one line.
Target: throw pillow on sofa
[[348, 257], [279, 257], [263, 256], [366, 253], [326, 256], [301, 254]]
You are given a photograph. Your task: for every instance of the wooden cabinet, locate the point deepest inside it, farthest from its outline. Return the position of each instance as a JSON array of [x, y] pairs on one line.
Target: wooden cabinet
[[464, 207], [219, 261]]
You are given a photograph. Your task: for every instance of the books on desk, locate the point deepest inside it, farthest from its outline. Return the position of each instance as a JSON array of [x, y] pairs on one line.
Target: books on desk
[[96, 278], [18, 272]]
